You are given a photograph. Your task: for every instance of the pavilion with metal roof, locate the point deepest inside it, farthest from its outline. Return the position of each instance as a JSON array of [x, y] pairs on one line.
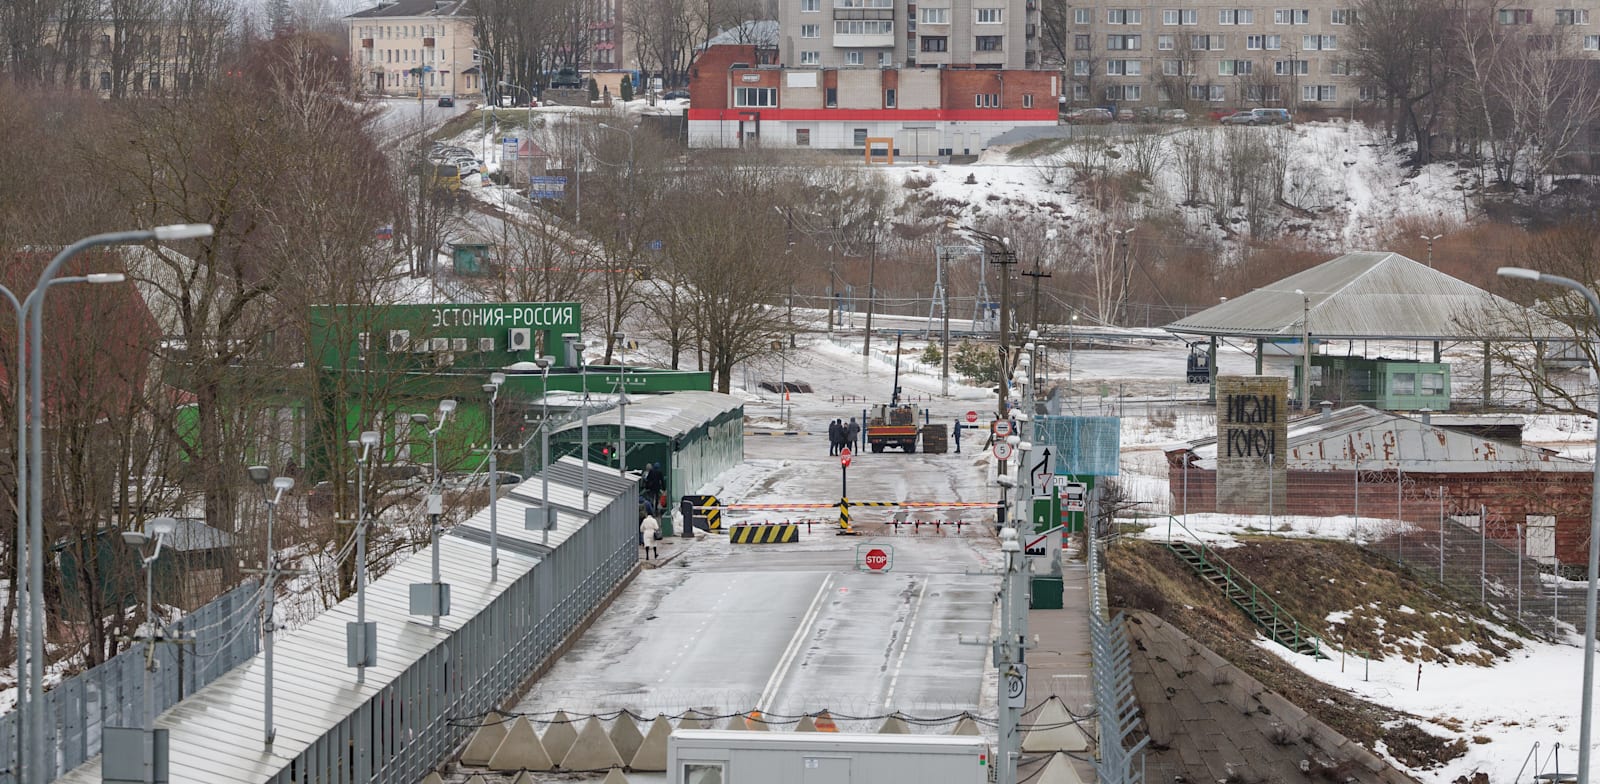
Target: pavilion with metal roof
[[1368, 295]]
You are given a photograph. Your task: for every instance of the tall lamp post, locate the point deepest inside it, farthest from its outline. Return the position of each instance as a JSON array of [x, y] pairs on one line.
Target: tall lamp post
[[1429, 238], [575, 350], [359, 634], [493, 388], [622, 402], [1586, 725], [544, 364], [1305, 345], [435, 505], [872, 277], [261, 475], [33, 310], [1127, 274], [157, 530], [483, 82]]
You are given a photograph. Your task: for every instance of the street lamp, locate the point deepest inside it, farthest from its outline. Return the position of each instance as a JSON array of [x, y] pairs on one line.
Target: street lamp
[[261, 475], [359, 635], [33, 310], [622, 401], [575, 350], [493, 388], [1429, 238], [438, 599], [872, 275], [1305, 343], [483, 82], [1003, 256], [544, 364], [1587, 723], [157, 530], [1127, 273]]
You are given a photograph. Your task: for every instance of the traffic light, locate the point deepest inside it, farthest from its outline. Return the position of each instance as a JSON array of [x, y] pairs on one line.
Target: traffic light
[[606, 453]]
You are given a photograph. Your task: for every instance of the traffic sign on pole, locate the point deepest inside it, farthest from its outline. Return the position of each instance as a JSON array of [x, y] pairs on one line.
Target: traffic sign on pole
[[972, 416], [1017, 686], [1002, 450], [1002, 427], [874, 558], [844, 458]]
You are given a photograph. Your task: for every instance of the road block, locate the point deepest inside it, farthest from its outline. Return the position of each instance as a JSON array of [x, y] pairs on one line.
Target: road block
[[764, 533], [706, 512]]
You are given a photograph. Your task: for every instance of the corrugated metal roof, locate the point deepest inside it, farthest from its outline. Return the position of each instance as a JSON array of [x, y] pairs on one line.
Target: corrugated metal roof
[[1371, 295], [1377, 440], [216, 734], [669, 415]]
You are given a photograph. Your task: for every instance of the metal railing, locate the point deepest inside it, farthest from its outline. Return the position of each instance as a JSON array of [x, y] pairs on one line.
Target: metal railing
[[1115, 703], [1283, 627]]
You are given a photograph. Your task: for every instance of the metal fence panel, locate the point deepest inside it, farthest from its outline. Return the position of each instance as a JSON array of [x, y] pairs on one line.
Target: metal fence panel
[[1083, 446]]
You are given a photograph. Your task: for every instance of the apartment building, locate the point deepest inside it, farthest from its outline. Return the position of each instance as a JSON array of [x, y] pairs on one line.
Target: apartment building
[[398, 48], [736, 100], [1233, 54], [997, 34], [146, 58]]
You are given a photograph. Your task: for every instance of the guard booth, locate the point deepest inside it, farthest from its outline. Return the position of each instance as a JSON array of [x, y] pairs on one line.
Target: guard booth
[[693, 436]]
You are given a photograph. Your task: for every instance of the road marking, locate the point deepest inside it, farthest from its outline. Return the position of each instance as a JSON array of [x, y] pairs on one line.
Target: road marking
[[796, 642], [905, 644]]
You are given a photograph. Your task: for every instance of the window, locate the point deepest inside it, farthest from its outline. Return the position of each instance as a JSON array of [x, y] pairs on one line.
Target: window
[[883, 58], [863, 27], [1027, 100], [1186, 16], [1233, 67], [1124, 16], [1339, 67], [1124, 67], [1517, 16], [1165, 42], [832, 99], [1313, 43], [1080, 92], [1291, 16], [936, 16], [711, 772], [888, 98], [1341, 16], [811, 58], [1170, 67], [1404, 384], [105, 45], [935, 43], [989, 43], [1203, 43], [1080, 43], [853, 57], [1081, 16], [802, 137], [755, 97], [1312, 93], [858, 137], [810, 31], [1080, 67], [810, 6], [1207, 92], [105, 80], [989, 15], [1122, 42], [155, 46], [1591, 43], [1236, 16], [1572, 16], [1431, 383], [1291, 68]]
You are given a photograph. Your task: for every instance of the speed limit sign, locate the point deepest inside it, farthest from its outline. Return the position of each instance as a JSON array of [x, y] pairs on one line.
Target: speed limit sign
[[1017, 686], [1002, 450]]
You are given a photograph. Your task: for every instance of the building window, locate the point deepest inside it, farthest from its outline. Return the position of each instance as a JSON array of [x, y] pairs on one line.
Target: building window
[[1173, 16], [1432, 383], [859, 137], [1339, 67], [854, 57], [863, 27], [1080, 43], [1080, 92], [1082, 16], [1124, 92], [989, 15], [697, 772], [989, 43], [1118, 43], [1080, 67], [936, 16], [883, 59], [1206, 43], [802, 137], [155, 46], [888, 98], [810, 6], [1572, 16], [1027, 100], [1341, 16], [1291, 67], [1236, 16], [810, 58], [755, 97], [1367, 93], [1312, 43], [1124, 16], [935, 43], [810, 31], [105, 45], [155, 82], [1515, 16], [1404, 384], [1291, 16], [1315, 93], [105, 80], [1124, 67], [1215, 93], [1165, 43], [1591, 43], [1170, 67], [1233, 67]]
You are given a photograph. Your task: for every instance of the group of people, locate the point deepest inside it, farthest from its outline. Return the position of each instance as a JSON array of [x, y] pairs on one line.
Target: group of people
[[652, 502], [843, 434]]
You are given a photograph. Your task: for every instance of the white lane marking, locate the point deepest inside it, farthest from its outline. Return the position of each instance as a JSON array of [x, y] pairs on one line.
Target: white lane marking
[[905, 645], [796, 642]]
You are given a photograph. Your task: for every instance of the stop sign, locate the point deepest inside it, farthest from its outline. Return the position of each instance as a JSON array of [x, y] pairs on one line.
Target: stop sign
[[844, 458], [972, 416], [877, 559]]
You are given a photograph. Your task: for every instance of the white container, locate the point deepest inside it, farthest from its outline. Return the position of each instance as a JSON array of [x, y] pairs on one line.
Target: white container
[[733, 757]]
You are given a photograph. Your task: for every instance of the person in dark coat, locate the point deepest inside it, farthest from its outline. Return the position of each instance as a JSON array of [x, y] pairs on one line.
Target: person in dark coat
[[958, 436], [853, 435], [833, 437]]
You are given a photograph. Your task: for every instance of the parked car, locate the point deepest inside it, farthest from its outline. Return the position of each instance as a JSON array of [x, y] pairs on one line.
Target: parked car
[[1174, 115], [1090, 116], [676, 95], [447, 101], [1271, 116]]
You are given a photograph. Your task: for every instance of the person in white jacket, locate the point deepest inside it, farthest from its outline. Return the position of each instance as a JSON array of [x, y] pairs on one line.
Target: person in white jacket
[[648, 528]]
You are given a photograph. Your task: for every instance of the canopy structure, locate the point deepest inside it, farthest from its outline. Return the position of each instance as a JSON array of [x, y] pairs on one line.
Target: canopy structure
[[1369, 295]]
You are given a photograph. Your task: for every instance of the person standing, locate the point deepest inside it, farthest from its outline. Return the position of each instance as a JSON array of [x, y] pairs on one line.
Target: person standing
[[649, 529], [833, 437], [853, 435], [958, 436]]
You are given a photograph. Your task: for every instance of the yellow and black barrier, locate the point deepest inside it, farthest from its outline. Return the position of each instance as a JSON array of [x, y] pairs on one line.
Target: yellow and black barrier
[[705, 511], [764, 533]]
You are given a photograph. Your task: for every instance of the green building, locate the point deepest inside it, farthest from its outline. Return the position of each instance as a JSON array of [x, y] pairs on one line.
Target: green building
[[1387, 384]]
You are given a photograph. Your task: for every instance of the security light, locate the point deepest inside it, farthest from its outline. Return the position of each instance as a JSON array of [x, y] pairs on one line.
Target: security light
[[135, 538], [1518, 272], [446, 406], [497, 378], [164, 526], [419, 419], [259, 474], [105, 277], [182, 231], [369, 438], [283, 483]]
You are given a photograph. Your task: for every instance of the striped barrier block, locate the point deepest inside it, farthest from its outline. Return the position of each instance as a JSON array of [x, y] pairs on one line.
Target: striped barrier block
[[764, 533], [777, 432]]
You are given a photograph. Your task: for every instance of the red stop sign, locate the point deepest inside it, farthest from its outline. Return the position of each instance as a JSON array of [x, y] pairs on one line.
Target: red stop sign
[[972, 416], [877, 560], [844, 457]]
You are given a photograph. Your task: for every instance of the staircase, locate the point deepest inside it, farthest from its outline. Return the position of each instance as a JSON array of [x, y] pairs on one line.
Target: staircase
[[1279, 625]]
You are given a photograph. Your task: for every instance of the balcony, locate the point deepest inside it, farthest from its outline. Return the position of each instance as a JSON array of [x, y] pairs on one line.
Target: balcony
[[366, 43], [864, 41], [427, 43]]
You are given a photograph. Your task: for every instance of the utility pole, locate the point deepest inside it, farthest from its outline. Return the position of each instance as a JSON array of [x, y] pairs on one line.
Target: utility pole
[[261, 475], [1127, 276], [999, 251], [1430, 238], [1008, 655], [872, 274], [1036, 273]]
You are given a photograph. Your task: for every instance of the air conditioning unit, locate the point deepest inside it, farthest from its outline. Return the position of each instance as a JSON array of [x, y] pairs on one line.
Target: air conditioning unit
[[485, 344], [399, 340], [458, 344], [520, 339], [441, 344]]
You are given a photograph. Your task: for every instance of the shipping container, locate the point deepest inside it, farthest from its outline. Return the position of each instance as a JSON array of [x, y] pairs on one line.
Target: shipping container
[[733, 757]]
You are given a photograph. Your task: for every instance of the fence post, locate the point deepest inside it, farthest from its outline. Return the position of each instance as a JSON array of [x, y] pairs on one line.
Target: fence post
[[1270, 525], [1519, 570], [1355, 468], [1441, 534], [1483, 553]]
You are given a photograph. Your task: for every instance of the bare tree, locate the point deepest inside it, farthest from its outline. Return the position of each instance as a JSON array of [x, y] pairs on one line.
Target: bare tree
[[1407, 48]]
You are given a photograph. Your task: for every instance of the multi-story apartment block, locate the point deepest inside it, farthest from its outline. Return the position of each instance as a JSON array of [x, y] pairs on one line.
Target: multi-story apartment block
[[1239, 53], [910, 33], [144, 58], [399, 48]]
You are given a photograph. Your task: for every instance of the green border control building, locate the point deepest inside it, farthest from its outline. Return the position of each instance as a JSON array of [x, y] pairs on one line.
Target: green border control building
[[693, 436]]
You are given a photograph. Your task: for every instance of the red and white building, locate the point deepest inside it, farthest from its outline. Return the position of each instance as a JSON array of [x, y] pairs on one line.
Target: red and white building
[[737, 100]]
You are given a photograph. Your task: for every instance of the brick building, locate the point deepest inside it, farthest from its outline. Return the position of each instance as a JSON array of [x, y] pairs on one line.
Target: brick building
[[909, 33], [399, 48], [736, 99], [1378, 464]]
